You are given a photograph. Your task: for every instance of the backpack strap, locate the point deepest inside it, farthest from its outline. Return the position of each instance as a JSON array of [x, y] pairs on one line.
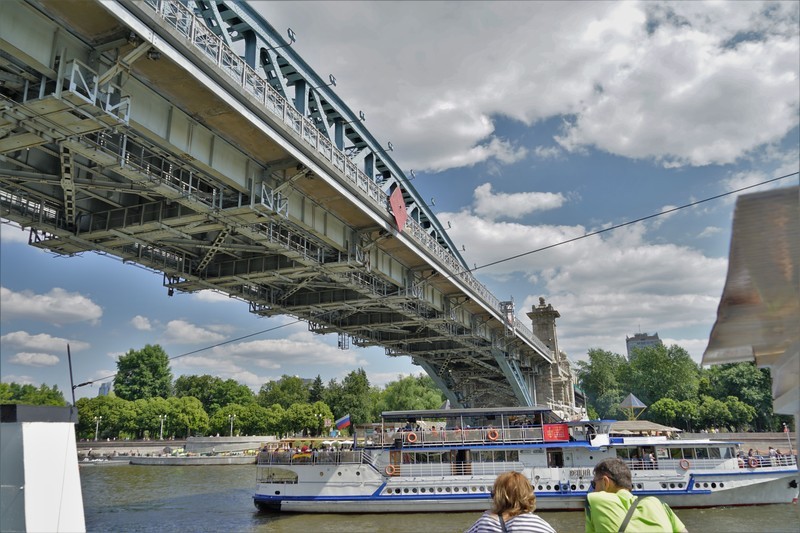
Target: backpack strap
[[502, 523], [628, 516]]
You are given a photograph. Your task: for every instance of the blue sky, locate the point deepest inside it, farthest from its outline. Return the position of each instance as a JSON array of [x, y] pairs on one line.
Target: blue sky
[[528, 124]]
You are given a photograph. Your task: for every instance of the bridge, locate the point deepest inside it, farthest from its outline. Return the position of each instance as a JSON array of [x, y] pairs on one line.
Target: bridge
[[188, 137]]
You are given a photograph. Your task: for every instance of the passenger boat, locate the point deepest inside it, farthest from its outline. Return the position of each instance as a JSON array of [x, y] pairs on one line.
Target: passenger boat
[[448, 459]]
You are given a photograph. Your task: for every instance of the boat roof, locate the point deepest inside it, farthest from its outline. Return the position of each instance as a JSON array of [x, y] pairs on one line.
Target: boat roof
[[466, 412]]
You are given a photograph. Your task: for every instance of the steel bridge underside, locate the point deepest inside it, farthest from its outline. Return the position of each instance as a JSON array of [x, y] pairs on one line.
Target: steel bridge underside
[[121, 134]]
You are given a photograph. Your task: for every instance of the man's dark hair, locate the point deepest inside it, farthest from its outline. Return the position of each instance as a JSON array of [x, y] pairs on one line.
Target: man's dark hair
[[616, 470]]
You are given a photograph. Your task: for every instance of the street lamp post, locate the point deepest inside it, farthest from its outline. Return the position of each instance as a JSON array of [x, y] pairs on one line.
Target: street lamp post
[[231, 418], [161, 433], [97, 420]]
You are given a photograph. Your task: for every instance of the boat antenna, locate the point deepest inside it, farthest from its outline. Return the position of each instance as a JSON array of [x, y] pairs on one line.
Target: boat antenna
[[71, 382]]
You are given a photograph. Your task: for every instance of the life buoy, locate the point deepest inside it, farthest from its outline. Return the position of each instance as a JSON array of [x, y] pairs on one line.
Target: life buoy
[[685, 464], [412, 437], [492, 434], [390, 470], [753, 462]]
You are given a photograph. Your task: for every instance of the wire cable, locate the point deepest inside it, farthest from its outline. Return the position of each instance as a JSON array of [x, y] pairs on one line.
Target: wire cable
[[604, 230], [201, 349]]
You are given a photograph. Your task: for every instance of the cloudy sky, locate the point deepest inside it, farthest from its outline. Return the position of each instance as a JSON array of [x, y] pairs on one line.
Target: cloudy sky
[[526, 124]]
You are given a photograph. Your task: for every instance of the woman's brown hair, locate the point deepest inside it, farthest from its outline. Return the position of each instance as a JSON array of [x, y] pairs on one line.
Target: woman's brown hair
[[512, 495]]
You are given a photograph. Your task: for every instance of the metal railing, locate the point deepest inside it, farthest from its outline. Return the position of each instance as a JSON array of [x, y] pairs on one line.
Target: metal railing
[[431, 437], [185, 22]]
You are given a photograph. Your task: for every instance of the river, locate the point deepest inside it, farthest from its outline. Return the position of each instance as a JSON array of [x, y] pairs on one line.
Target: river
[[127, 498]]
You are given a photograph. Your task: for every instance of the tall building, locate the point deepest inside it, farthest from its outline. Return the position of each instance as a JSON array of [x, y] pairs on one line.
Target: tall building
[[105, 388], [641, 340]]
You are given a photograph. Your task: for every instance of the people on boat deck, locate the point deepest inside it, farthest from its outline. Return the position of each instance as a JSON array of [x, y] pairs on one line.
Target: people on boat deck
[[612, 507], [513, 503]]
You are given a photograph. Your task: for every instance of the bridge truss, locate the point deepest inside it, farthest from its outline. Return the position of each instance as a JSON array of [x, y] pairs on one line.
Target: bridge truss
[[190, 138]]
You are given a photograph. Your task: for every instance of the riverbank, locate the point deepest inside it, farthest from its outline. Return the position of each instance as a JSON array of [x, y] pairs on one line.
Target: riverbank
[[193, 446]]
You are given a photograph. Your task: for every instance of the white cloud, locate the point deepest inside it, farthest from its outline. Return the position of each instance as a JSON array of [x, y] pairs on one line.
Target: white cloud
[[57, 307], [515, 205], [12, 232], [666, 81], [547, 152], [34, 359], [182, 332], [141, 323], [42, 341], [211, 296], [21, 380], [709, 231], [297, 349], [604, 286]]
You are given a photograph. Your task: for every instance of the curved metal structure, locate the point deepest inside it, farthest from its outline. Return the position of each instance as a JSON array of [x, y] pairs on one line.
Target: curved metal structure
[[189, 137]]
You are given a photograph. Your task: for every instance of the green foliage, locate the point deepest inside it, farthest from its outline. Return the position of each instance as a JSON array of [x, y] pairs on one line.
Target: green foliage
[[656, 372], [186, 417], [231, 416], [411, 393], [748, 383], [316, 391], [713, 413], [285, 392], [665, 411], [143, 374], [741, 413], [31, 395], [597, 378], [213, 392]]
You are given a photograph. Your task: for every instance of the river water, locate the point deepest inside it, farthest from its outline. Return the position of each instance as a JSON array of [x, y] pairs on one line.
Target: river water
[[128, 498]]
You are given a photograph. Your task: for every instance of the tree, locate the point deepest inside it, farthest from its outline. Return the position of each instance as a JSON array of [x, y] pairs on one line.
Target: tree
[[143, 374], [656, 372], [118, 417], [748, 383], [597, 378], [689, 413], [741, 413], [664, 411], [230, 416], [186, 416], [355, 398], [411, 393], [317, 390], [713, 413], [255, 419], [213, 392], [31, 395], [286, 391]]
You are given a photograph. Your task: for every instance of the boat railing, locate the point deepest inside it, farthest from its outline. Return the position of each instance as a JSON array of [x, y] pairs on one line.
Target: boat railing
[[762, 461], [310, 457], [439, 437], [491, 469]]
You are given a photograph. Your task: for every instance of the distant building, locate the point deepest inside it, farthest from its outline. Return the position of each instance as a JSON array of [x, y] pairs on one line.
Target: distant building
[[105, 388], [641, 340]]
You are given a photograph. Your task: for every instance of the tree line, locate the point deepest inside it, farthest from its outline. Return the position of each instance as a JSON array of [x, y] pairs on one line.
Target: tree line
[[678, 391], [147, 403]]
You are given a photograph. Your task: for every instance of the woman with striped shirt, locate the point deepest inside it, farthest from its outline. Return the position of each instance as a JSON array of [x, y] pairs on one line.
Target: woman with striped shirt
[[513, 503]]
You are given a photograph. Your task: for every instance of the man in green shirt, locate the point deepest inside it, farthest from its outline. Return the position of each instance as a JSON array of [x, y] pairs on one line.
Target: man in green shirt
[[610, 504]]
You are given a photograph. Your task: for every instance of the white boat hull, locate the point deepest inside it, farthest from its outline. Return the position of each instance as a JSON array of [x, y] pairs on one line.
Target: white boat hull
[[362, 489]]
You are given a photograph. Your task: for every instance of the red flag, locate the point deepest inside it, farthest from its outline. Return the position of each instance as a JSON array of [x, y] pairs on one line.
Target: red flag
[[398, 208]]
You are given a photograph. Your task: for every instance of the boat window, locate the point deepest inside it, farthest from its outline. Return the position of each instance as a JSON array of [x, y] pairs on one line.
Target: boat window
[[626, 453], [675, 453], [714, 453], [727, 453], [276, 475], [701, 453], [688, 453]]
